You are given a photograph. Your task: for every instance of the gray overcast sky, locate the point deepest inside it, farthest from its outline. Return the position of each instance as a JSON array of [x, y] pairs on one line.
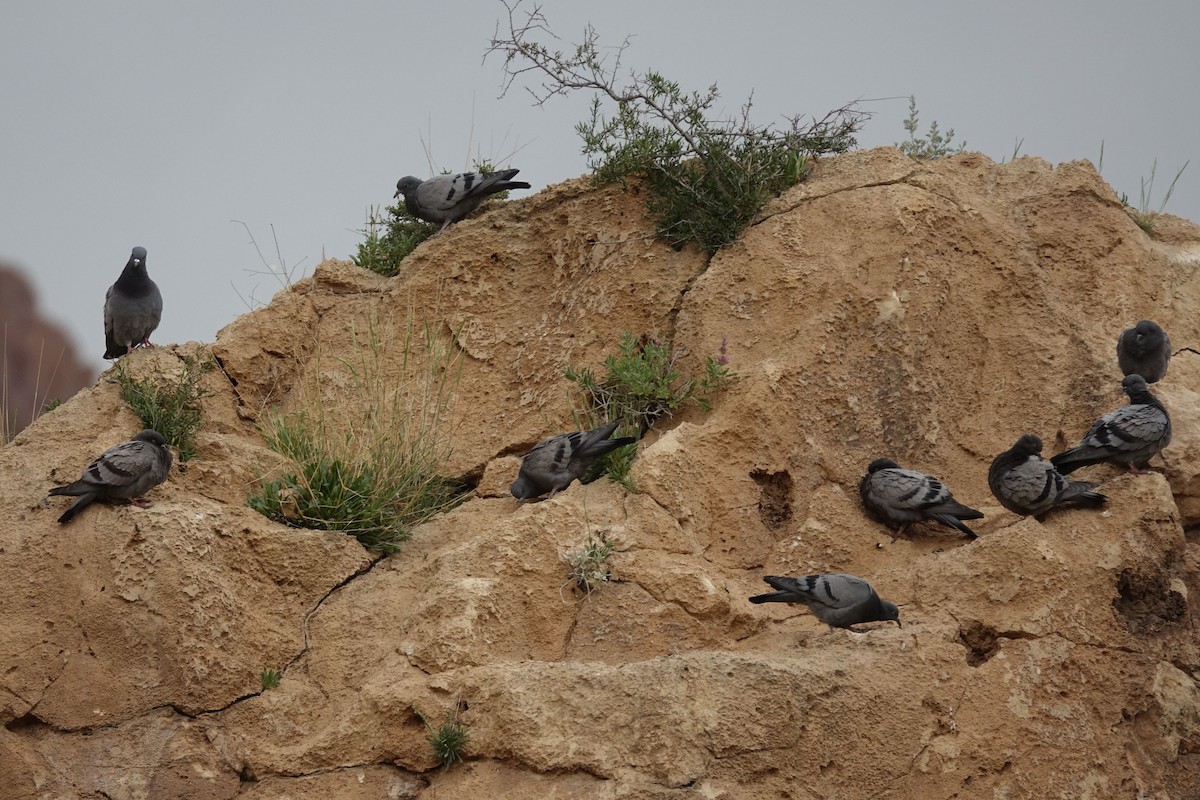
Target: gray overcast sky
[[149, 123]]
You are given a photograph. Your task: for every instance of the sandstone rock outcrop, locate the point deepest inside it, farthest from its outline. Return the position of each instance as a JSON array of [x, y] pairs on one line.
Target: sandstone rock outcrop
[[929, 312]]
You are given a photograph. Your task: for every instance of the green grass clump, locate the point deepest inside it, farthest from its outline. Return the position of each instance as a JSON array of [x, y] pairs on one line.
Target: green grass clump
[[707, 177], [170, 406], [640, 384], [935, 144], [1144, 216], [270, 679], [588, 565], [389, 240], [448, 740], [371, 468]]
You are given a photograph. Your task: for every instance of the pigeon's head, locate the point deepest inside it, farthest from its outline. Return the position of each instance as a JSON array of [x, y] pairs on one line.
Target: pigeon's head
[[522, 489], [890, 613], [406, 186], [138, 255], [1147, 330], [881, 463], [150, 436], [1028, 445], [1134, 384]]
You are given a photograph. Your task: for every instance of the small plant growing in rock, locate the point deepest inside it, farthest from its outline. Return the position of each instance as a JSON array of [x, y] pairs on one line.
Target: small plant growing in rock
[[589, 564], [935, 144], [391, 239], [448, 740], [270, 679], [641, 384], [1143, 215], [170, 406], [707, 177], [373, 470]]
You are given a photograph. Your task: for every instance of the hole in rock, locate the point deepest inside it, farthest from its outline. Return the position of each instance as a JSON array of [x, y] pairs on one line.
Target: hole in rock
[[774, 497], [981, 641], [1147, 602]]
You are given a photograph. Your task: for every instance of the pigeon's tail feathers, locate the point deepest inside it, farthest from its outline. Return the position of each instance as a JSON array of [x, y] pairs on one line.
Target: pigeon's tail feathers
[[504, 186], [953, 521], [1080, 493], [776, 597], [956, 509], [597, 449], [80, 504], [1068, 461]]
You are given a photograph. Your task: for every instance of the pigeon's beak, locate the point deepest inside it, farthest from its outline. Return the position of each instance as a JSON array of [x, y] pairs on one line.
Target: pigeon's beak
[[397, 194]]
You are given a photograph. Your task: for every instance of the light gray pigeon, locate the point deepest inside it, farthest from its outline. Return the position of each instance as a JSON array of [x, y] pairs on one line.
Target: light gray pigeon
[[553, 463], [1144, 350], [122, 472], [449, 198], [1025, 483], [1130, 435], [898, 497], [840, 601], [132, 308]]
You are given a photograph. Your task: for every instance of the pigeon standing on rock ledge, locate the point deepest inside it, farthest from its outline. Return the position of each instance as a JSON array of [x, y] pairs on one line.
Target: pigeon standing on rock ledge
[[553, 463], [899, 497], [1144, 350], [840, 601], [122, 472], [132, 308], [449, 198], [1130, 435], [1025, 483]]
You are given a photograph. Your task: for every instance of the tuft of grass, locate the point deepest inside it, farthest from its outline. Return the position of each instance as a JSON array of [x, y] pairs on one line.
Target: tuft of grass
[[641, 384], [935, 144], [448, 740], [588, 565], [707, 177], [391, 239], [369, 467], [171, 406], [270, 679], [1144, 216]]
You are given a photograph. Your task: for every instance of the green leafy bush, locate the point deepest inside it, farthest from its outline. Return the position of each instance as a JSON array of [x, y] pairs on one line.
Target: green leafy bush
[[389, 240], [707, 177], [270, 679], [589, 564], [171, 406], [448, 740], [935, 145]]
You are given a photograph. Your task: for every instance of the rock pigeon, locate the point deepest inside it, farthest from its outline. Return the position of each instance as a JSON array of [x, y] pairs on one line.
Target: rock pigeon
[[1144, 350], [1130, 435], [122, 472], [449, 198], [899, 497], [556, 461], [132, 308], [1025, 483], [838, 600]]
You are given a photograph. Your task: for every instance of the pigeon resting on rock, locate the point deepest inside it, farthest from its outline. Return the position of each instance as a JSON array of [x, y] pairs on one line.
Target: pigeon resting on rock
[[1130, 435], [132, 308], [1144, 350], [449, 198], [1025, 483], [554, 462], [123, 472], [838, 600], [899, 497]]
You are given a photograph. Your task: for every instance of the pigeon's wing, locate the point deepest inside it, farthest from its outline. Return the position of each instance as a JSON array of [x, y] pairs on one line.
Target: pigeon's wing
[[123, 465], [833, 590], [1128, 429], [1030, 487]]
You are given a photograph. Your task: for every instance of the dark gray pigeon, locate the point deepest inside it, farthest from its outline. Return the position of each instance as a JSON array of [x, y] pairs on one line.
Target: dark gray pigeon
[[898, 497], [122, 472], [554, 462], [1130, 435], [1025, 483], [840, 601], [1144, 350], [132, 308], [449, 198]]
